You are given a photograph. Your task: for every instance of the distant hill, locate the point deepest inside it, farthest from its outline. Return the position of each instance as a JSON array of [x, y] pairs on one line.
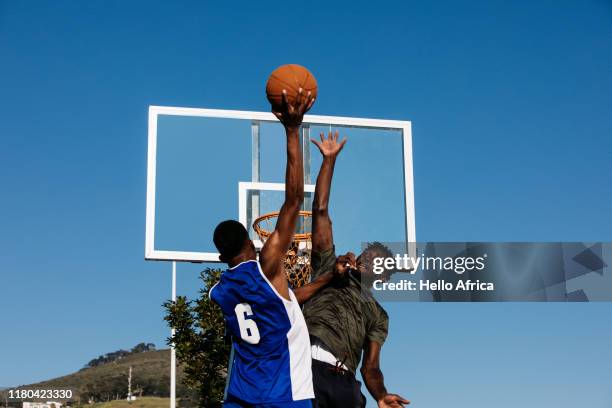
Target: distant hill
[[109, 381], [119, 354]]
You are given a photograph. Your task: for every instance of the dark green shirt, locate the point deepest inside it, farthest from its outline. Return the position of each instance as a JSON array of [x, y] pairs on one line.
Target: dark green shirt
[[343, 315]]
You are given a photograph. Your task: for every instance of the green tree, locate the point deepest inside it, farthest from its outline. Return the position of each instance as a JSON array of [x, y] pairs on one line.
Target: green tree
[[200, 342]]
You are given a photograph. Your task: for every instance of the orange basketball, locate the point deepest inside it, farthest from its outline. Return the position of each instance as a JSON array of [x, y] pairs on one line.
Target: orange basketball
[[290, 77]]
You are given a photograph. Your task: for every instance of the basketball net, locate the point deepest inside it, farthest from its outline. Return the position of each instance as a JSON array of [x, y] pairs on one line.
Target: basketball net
[[297, 259]]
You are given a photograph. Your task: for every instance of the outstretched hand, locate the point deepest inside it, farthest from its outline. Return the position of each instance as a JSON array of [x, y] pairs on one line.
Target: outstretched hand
[[329, 147], [292, 114], [392, 401]]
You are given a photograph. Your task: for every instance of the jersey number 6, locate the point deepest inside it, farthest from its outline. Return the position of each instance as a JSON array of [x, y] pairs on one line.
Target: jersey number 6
[[248, 327]]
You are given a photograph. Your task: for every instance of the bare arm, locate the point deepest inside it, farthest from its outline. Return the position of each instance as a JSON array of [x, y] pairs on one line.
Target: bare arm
[[322, 235], [276, 246], [303, 293], [343, 264], [374, 379]]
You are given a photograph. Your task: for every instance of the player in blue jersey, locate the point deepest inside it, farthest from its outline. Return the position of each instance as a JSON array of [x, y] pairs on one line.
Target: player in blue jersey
[[272, 360]]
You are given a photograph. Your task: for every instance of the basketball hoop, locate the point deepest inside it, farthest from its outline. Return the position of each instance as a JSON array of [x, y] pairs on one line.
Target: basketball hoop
[[297, 260]]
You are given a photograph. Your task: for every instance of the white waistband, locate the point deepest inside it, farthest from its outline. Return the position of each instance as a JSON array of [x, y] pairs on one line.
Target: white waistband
[[320, 354]]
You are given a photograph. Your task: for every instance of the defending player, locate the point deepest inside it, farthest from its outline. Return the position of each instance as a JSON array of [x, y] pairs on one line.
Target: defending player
[[343, 318], [272, 362]]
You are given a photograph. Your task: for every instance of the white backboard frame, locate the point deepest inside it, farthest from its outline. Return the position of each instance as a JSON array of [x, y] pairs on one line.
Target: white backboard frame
[[154, 111], [243, 191]]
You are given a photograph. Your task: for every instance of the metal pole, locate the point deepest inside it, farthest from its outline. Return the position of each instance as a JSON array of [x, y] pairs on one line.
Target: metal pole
[[305, 135], [306, 152], [172, 350], [255, 172]]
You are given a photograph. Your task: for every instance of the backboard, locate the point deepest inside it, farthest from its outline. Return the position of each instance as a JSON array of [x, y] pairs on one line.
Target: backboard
[[208, 165]]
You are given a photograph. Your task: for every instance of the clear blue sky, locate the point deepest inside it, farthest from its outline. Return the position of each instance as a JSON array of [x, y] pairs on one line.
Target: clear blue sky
[[510, 104]]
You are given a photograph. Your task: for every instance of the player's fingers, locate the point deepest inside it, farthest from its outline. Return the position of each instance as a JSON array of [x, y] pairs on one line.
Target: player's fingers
[[336, 136], [307, 98], [343, 260], [322, 136], [351, 259], [330, 135], [277, 114], [310, 103], [316, 143], [299, 99], [342, 143], [284, 99]]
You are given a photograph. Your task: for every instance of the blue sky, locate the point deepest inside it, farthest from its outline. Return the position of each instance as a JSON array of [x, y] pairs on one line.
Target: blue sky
[[510, 104]]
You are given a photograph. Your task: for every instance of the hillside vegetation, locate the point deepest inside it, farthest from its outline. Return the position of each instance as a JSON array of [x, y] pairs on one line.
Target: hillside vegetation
[[109, 381]]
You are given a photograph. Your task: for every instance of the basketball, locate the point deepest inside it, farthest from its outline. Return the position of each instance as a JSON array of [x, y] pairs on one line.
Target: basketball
[[290, 77]]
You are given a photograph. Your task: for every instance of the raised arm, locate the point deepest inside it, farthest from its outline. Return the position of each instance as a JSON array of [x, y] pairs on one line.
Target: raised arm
[[374, 380], [322, 236], [276, 246]]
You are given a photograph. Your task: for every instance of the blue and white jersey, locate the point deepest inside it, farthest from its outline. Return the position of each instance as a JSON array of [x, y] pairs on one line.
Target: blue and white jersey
[[272, 362]]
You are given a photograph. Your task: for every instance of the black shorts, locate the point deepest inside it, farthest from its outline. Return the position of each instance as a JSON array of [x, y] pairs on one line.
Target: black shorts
[[335, 390]]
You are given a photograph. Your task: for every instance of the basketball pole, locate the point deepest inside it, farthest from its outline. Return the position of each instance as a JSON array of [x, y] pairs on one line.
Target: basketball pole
[[305, 140], [172, 350]]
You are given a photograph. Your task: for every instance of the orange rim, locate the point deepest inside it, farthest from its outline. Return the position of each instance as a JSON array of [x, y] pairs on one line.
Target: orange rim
[[258, 226]]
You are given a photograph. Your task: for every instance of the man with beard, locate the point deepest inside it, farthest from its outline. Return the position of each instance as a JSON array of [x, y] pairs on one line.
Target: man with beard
[[343, 318]]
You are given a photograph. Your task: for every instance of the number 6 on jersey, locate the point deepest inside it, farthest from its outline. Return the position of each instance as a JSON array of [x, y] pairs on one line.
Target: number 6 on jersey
[[248, 327]]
